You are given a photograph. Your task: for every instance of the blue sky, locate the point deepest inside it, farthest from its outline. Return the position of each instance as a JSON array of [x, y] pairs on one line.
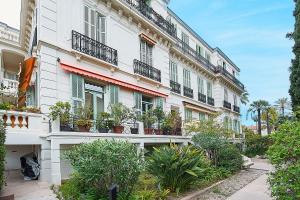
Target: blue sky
[[252, 33]]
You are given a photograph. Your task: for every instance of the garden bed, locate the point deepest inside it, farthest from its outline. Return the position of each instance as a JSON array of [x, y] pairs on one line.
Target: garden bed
[[223, 189]]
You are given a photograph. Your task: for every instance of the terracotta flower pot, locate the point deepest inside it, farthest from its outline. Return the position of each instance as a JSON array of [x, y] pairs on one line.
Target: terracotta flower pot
[[118, 129], [83, 129], [148, 131], [158, 132]]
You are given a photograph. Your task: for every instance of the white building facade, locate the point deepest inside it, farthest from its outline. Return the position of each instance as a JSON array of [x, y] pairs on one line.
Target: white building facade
[[100, 52]]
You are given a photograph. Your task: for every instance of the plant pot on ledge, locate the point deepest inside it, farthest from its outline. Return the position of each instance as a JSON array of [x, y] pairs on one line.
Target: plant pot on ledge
[[118, 129], [134, 131], [148, 131]]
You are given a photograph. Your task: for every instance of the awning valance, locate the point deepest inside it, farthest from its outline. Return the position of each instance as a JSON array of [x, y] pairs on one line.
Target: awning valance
[[98, 76], [198, 108]]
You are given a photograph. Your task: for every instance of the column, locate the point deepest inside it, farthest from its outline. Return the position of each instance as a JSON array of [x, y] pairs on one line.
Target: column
[[45, 161], [55, 162]]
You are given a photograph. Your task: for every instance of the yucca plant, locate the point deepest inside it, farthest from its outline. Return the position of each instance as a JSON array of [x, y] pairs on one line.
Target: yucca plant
[[177, 168]]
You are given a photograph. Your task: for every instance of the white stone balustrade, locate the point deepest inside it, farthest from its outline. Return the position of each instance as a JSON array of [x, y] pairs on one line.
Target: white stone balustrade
[[11, 86], [22, 121]]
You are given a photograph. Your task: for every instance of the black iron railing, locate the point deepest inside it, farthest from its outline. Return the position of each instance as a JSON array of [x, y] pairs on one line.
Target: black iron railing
[[89, 46], [175, 87], [211, 101], [186, 49], [223, 71], [188, 92], [146, 70], [227, 105], [142, 7], [202, 97], [236, 109]]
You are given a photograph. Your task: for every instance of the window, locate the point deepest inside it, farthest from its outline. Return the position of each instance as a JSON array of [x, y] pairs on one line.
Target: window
[[227, 122], [94, 99], [186, 78], [199, 50], [225, 95], [200, 85], [235, 100], [185, 39], [173, 72], [159, 102], [94, 25], [138, 102], [201, 116], [114, 94], [224, 65], [209, 89], [207, 56], [146, 53], [77, 91], [10, 75], [147, 103], [188, 115]]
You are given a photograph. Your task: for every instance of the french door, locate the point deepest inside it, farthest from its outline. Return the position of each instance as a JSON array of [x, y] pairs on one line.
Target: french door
[[95, 102]]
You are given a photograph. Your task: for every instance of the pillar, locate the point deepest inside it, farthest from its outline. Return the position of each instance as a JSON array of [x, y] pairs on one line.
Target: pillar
[[45, 161], [55, 163]]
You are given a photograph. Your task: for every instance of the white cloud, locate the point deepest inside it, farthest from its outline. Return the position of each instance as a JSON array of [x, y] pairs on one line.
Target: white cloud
[[10, 12]]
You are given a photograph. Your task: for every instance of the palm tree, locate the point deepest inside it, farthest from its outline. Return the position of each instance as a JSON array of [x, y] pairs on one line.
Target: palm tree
[[283, 104], [270, 116], [245, 97], [258, 107]]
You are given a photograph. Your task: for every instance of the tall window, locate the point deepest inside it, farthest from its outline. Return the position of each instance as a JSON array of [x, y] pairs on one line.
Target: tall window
[[207, 56], [138, 102], [185, 40], [146, 53], [209, 89], [235, 100], [200, 85], [201, 116], [186, 78], [188, 115], [114, 94], [77, 91], [225, 95], [94, 25], [173, 72], [199, 50]]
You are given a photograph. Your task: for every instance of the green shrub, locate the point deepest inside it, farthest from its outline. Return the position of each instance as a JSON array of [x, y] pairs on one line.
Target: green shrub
[[229, 158], [2, 153], [102, 163], [177, 168], [285, 156], [256, 144]]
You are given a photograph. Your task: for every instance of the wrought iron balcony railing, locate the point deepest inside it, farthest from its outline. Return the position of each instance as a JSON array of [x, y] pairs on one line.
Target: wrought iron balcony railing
[[146, 70], [211, 101], [175, 87], [227, 105], [230, 76], [89, 46], [186, 49], [188, 92], [236, 109], [148, 12], [202, 97]]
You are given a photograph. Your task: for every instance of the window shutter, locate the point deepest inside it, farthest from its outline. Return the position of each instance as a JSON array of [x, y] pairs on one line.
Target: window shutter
[[143, 52], [159, 102], [138, 101], [114, 94], [86, 20], [103, 30], [209, 89], [77, 91], [149, 55], [93, 24], [201, 116], [225, 95]]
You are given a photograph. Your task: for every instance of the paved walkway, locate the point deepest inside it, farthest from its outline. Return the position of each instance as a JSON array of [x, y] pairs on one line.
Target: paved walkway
[[26, 190], [257, 189]]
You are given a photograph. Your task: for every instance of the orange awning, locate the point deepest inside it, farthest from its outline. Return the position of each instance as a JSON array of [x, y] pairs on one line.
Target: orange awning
[[25, 77], [96, 75]]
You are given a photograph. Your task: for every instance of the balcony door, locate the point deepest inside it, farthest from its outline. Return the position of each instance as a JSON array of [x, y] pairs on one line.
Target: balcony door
[[94, 99]]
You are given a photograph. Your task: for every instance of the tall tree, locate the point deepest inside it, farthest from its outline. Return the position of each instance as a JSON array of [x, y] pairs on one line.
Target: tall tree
[[245, 98], [282, 104], [257, 107], [270, 116], [295, 68]]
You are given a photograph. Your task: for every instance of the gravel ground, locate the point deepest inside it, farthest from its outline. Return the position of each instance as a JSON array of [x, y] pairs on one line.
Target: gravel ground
[[231, 185]]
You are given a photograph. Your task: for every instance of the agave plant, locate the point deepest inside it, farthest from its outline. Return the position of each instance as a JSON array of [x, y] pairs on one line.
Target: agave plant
[[177, 168]]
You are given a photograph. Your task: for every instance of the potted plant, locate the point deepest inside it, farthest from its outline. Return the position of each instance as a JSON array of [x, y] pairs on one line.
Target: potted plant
[[172, 124], [103, 124], [61, 111], [83, 119], [149, 119], [119, 114], [134, 116], [160, 115]]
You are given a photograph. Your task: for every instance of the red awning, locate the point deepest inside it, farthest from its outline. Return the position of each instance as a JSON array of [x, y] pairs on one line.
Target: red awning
[[98, 76]]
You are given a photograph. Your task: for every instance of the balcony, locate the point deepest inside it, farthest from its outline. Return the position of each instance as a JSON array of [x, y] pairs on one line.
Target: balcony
[[186, 49], [227, 105], [94, 48], [188, 92], [201, 97], [142, 7], [211, 101], [9, 87], [175, 87], [146, 70], [236, 109], [224, 72]]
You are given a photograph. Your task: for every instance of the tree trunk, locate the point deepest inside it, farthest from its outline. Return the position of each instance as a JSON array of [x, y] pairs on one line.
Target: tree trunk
[[259, 121], [268, 124]]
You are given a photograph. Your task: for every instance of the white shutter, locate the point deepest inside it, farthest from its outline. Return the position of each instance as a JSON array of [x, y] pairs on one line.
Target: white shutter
[[114, 94], [77, 91], [103, 30], [149, 55], [159, 101], [143, 52], [86, 20], [93, 24]]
